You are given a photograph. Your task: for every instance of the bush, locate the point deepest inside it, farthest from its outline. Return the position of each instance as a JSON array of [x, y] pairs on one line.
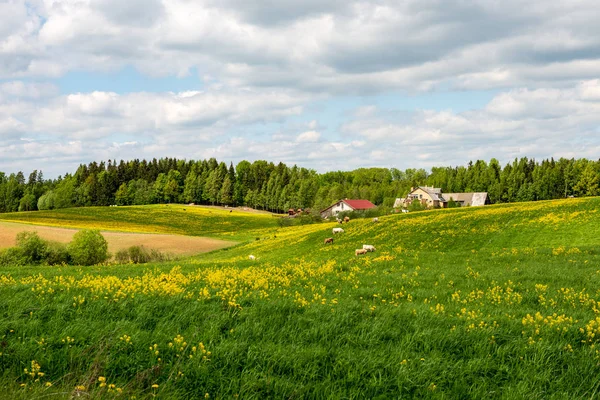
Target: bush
[[88, 248], [285, 221], [122, 256], [157, 256], [416, 205], [139, 255], [452, 203], [57, 254], [33, 248], [11, 257]]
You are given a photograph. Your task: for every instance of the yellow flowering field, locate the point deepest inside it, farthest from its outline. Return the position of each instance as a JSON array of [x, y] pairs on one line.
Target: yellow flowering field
[[492, 302]]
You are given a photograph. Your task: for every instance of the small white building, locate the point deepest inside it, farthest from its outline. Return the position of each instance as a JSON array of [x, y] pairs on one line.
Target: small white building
[[346, 205]]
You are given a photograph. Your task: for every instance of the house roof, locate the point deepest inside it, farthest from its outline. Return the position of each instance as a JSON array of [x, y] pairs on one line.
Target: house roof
[[473, 198], [354, 204], [360, 204], [434, 193]]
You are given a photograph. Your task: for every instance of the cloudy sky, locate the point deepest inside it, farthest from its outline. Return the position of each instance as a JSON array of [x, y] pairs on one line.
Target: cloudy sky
[[328, 85]]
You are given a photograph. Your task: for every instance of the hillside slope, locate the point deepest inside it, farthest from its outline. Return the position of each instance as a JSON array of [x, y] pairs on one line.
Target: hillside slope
[[543, 225], [494, 302], [233, 224]]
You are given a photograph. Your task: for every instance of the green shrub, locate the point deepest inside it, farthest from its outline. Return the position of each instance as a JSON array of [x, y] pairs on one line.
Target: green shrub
[[452, 203], [122, 256], [416, 205], [33, 248], [285, 221], [57, 254], [139, 254], [11, 257], [88, 248], [158, 256]]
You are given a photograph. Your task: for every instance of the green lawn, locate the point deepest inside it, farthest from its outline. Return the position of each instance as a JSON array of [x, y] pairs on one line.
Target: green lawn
[[494, 302], [216, 222]]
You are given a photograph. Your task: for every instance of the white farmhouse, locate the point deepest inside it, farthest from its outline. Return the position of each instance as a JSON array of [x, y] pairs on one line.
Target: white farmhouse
[[346, 205]]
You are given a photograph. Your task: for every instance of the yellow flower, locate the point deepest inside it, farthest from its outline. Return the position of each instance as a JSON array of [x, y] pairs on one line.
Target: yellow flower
[[155, 386]]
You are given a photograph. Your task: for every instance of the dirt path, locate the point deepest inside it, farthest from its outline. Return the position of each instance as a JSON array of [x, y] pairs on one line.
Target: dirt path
[[173, 244]]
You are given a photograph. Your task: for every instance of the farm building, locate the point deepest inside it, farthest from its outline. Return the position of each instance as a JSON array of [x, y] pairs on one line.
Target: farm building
[[433, 197], [346, 205]]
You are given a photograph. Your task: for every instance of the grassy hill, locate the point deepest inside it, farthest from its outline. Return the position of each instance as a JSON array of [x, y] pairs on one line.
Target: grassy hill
[[491, 302], [233, 224]]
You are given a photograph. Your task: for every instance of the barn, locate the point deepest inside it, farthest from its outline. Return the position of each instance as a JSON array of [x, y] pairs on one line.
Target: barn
[[433, 197], [346, 205]]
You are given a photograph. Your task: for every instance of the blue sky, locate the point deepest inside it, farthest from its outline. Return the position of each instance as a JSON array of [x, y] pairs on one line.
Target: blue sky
[[125, 80], [326, 85]]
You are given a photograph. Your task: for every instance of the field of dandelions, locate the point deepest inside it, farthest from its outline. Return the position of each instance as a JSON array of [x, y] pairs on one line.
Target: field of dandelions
[[491, 302]]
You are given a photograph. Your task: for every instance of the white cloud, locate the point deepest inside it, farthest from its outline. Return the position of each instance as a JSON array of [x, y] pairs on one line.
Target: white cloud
[[85, 127], [265, 64], [31, 90], [309, 137], [536, 123], [334, 47]]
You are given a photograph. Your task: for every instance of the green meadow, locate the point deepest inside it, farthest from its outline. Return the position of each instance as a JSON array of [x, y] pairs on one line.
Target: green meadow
[[216, 222], [491, 302]]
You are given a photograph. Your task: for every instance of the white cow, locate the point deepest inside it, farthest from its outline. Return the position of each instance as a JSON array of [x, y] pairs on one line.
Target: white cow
[[404, 210], [252, 257], [337, 230], [368, 247], [375, 219]]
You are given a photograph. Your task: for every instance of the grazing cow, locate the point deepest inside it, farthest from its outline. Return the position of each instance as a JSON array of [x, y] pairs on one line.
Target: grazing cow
[[346, 219], [252, 257], [329, 240], [338, 220], [368, 247], [404, 210], [337, 230], [360, 251], [375, 219]]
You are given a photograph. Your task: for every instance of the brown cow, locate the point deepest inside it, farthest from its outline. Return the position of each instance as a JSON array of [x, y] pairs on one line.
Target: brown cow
[[346, 219], [360, 251], [329, 240]]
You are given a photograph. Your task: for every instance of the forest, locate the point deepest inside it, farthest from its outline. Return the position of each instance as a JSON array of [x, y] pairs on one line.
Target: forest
[[278, 187]]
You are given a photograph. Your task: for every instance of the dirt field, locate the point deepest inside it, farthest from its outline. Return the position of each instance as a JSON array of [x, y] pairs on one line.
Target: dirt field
[[172, 244]]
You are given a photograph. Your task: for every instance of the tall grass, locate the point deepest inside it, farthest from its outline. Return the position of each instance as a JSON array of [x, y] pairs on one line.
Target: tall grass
[[495, 302]]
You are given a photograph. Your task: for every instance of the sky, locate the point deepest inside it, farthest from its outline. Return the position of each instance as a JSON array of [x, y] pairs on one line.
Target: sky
[[327, 85]]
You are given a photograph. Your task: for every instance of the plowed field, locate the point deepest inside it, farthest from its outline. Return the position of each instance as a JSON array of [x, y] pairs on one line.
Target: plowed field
[[172, 244]]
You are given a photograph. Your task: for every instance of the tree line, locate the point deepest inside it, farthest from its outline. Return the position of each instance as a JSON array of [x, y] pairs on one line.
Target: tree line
[[278, 187]]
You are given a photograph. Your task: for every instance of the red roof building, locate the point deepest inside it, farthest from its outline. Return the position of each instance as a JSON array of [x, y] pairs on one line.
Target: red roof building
[[346, 205]]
